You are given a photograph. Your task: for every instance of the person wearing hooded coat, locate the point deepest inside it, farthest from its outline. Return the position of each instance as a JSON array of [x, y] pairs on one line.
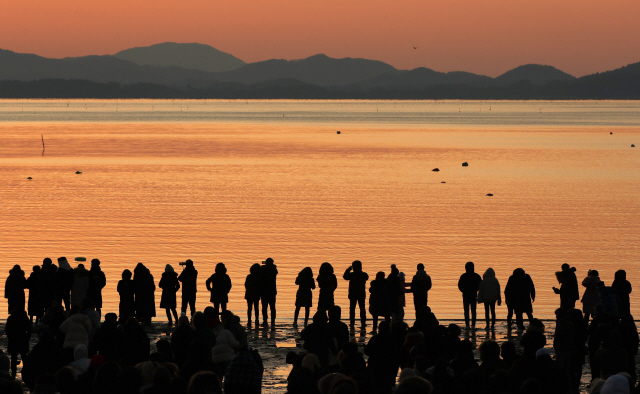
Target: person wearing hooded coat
[[568, 290], [252, 293], [170, 285], [144, 289], [469, 284], [64, 282], [14, 289], [219, 284], [519, 293], [623, 290], [34, 306], [420, 286], [357, 291], [76, 330], [591, 295], [488, 294], [80, 285], [97, 282], [328, 284], [81, 361]]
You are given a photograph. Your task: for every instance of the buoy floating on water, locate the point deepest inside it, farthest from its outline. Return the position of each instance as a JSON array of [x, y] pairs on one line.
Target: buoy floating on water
[[78, 172], [611, 132], [465, 164], [29, 178], [489, 194], [436, 169], [633, 146], [81, 259], [338, 132]]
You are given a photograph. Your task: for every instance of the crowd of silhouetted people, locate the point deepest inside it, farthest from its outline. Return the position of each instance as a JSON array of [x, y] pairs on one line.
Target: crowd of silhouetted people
[[78, 351]]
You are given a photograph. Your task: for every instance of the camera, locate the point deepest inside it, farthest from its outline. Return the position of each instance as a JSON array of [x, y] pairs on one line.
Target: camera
[[182, 263]]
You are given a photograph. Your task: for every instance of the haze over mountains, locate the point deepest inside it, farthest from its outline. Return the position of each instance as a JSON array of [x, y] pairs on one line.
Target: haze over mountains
[[198, 66]]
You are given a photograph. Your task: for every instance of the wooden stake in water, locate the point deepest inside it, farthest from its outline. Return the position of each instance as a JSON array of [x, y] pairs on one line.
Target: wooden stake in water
[[41, 136]]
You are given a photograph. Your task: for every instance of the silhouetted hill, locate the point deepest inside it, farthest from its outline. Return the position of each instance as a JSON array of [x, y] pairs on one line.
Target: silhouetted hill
[[424, 77], [535, 73], [26, 67], [318, 70], [191, 56]]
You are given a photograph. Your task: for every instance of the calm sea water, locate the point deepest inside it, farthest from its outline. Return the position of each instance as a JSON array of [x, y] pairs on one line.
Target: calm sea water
[[239, 181]]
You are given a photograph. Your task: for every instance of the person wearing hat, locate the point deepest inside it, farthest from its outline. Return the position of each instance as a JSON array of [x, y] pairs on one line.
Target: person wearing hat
[[268, 291], [189, 279], [170, 285]]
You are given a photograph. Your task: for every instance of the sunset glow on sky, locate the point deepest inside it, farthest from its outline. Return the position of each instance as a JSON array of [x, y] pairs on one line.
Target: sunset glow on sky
[[486, 37]]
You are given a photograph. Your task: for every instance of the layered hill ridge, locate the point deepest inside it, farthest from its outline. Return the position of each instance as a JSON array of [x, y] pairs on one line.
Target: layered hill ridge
[[189, 55]]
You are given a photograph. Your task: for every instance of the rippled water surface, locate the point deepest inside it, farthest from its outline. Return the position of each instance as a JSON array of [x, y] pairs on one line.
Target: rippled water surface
[[236, 182]]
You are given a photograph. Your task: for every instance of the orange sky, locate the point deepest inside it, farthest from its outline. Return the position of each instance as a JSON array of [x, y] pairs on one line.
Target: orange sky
[[482, 36]]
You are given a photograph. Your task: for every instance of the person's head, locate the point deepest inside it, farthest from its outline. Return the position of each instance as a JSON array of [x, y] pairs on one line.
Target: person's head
[[326, 269], [518, 272], [593, 273], [204, 382], [508, 350], [199, 320], [565, 267], [536, 324], [80, 352], [221, 269], [111, 317], [188, 263], [454, 330], [489, 350], [15, 270], [81, 267], [335, 313], [380, 275], [268, 261], [87, 304], [394, 270], [357, 265], [61, 260], [126, 275], [414, 384], [94, 263], [226, 317], [168, 269], [255, 269], [420, 267], [469, 267], [320, 317], [311, 362], [46, 262], [384, 327], [306, 273], [36, 268], [620, 275]]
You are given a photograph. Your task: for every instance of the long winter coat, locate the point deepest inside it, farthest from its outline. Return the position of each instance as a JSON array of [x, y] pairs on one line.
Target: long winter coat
[[591, 295], [219, 284], [18, 330], [623, 289], [34, 305], [14, 289], [170, 285], [327, 285], [65, 277], [252, 288], [47, 283], [127, 306], [268, 287], [420, 286], [304, 296], [379, 302], [520, 291], [76, 331], [97, 281], [469, 284], [144, 287], [489, 290], [80, 286]]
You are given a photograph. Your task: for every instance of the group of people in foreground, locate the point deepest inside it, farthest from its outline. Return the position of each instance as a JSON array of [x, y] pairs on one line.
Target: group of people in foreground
[[78, 352]]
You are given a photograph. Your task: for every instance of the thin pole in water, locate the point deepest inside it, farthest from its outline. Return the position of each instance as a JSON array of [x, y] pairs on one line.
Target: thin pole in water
[[41, 136]]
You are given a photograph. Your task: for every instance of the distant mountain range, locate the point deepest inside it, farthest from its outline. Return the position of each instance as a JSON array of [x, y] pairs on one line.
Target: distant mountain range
[[197, 70]]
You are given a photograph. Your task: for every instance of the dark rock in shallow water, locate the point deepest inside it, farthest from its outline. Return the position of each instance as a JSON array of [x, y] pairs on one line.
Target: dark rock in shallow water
[[443, 182], [338, 131], [78, 172], [465, 164], [633, 146], [29, 178], [436, 169], [489, 194], [611, 132]]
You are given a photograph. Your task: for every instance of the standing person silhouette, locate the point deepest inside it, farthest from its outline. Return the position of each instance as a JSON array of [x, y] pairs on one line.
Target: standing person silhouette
[[219, 284], [14, 289], [268, 291], [519, 293], [189, 279], [379, 300], [64, 282], [469, 285], [47, 283], [170, 285], [420, 286], [97, 282], [33, 306], [145, 299], [18, 330], [252, 293], [327, 283], [489, 294], [304, 296], [568, 290], [127, 306], [357, 292], [623, 289]]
